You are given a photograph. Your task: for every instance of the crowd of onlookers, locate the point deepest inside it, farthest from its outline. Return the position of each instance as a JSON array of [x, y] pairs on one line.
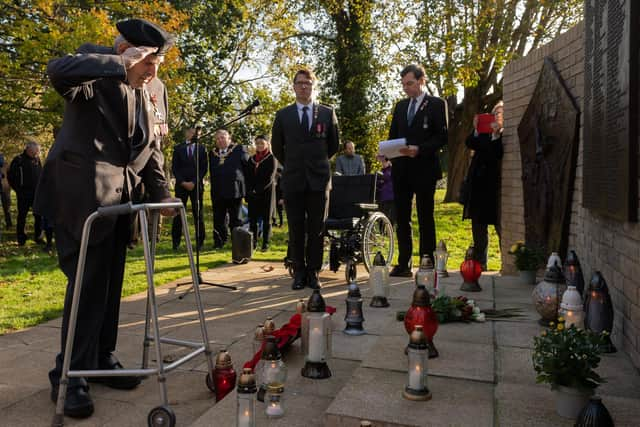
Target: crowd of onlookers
[[236, 173]]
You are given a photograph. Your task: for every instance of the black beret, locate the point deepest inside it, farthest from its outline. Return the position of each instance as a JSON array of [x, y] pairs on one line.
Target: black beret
[[139, 32]]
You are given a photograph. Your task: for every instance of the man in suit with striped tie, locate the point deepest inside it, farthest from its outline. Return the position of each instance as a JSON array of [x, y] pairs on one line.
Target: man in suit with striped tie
[[422, 120]]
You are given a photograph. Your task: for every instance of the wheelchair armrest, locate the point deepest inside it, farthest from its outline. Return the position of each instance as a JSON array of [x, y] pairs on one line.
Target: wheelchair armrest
[[369, 207]]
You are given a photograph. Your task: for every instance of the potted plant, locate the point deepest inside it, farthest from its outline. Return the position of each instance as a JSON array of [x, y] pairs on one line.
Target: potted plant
[[567, 358], [528, 259]]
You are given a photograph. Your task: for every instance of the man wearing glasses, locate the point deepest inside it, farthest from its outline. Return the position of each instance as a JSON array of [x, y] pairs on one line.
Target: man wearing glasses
[[422, 120], [304, 138]]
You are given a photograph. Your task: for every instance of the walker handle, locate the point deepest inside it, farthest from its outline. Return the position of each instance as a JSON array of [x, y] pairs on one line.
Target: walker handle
[[121, 209]]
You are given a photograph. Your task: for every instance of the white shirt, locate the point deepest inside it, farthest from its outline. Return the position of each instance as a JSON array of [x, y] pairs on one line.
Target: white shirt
[[418, 102], [300, 112]]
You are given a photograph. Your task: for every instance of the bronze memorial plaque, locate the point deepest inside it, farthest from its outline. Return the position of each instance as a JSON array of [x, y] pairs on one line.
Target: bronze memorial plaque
[[548, 134], [610, 168]]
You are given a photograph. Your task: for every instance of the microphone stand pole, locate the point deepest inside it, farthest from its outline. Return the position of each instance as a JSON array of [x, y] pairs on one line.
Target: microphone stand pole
[[200, 209]]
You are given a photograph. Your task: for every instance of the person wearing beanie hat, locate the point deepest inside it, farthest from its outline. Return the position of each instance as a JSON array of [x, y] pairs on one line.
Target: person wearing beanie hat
[[107, 149]]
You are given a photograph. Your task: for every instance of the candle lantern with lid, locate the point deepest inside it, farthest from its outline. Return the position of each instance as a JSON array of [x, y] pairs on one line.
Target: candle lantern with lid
[[316, 338]]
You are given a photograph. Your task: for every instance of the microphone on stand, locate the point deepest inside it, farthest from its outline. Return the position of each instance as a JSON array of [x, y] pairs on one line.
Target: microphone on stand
[[247, 110]]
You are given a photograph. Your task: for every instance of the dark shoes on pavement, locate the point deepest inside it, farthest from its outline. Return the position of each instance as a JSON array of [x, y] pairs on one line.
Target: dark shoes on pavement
[[78, 403], [308, 278], [312, 280], [120, 383], [299, 280], [400, 271]]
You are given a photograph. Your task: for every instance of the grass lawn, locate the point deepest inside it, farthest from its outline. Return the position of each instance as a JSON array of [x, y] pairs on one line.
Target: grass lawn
[[32, 287]]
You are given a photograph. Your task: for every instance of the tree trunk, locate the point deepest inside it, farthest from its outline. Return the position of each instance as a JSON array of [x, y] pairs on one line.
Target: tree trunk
[[460, 125]]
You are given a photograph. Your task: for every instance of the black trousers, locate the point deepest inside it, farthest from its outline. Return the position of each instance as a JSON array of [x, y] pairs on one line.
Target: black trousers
[[424, 203], [480, 234], [306, 213], [99, 305], [5, 200], [260, 207], [222, 208], [196, 209], [25, 202]]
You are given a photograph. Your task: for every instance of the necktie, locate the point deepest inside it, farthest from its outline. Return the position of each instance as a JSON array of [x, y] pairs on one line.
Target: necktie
[[305, 120], [190, 150], [412, 111]]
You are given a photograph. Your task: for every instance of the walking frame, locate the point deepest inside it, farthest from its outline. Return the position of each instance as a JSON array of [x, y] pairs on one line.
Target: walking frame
[[161, 415]]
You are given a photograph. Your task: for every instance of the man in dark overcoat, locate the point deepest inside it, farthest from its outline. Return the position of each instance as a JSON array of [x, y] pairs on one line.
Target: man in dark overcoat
[[422, 120], [24, 173], [304, 137], [189, 186], [107, 148], [227, 162]]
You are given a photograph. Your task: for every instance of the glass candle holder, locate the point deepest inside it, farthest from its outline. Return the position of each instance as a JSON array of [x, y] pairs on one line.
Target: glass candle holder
[[274, 405]]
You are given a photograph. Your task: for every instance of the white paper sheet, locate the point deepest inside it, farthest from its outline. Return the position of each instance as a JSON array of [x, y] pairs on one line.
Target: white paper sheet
[[391, 148]]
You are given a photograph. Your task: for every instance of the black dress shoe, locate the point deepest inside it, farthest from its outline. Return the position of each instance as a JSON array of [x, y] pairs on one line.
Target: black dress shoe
[[120, 383], [312, 280], [299, 280], [399, 271], [78, 403]]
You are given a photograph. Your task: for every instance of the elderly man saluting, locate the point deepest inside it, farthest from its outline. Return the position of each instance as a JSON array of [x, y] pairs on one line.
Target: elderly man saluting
[[108, 145]]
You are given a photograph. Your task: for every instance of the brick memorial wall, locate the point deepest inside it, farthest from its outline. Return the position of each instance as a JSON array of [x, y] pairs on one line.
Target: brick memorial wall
[[602, 242]]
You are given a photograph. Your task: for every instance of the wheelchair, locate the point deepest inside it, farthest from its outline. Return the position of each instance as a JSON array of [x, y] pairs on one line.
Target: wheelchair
[[355, 231]]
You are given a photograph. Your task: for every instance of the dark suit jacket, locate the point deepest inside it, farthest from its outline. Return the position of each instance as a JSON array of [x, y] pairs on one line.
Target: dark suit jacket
[[91, 163], [227, 178], [184, 167], [428, 131], [305, 155]]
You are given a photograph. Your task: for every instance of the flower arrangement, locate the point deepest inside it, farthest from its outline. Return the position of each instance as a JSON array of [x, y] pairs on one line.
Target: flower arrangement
[[526, 257], [568, 356], [456, 309]]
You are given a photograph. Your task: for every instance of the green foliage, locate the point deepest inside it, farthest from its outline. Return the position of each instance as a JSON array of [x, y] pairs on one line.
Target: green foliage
[[35, 31], [568, 357], [526, 257]]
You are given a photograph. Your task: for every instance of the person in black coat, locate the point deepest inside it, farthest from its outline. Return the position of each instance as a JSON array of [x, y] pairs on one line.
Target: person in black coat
[[5, 196], [304, 137], [227, 163], [24, 173], [107, 148], [482, 194], [260, 178], [183, 167], [422, 120]]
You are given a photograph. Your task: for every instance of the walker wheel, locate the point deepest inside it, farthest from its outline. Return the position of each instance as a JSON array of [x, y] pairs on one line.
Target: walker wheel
[[161, 416], [210, 385]]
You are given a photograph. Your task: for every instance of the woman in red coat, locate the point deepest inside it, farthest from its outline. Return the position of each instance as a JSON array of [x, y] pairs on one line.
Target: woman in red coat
[[260, 179]]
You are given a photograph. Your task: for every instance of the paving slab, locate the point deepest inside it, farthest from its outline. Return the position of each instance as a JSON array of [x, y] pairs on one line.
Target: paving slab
[[456, 359], [522, 405], [482, 366], [514, 365], [356, 401], [513, 333], [621, 376]]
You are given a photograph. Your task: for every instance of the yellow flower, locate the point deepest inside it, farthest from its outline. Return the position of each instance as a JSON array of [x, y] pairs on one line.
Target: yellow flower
[[560, 319], [560, 326], [514, 248], [551, 324]]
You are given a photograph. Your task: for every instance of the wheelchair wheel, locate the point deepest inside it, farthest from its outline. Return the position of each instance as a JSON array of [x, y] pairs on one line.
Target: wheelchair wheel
[[377, 235]]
